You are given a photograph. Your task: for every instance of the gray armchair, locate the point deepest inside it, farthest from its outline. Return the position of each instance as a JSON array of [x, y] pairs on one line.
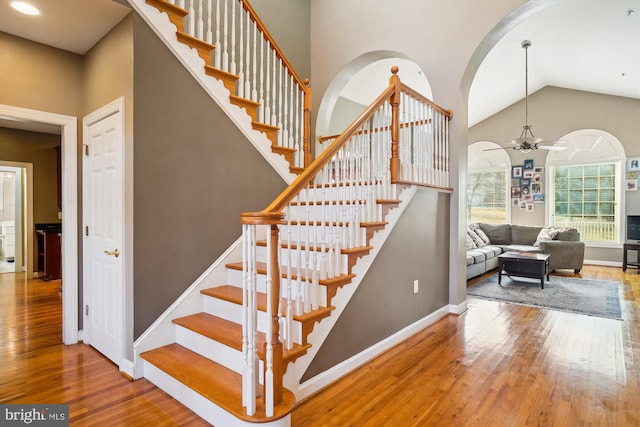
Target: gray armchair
[[564, 254]]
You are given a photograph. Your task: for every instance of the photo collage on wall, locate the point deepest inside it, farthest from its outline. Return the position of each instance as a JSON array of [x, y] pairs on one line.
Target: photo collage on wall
[[526, 186], [633, 168]]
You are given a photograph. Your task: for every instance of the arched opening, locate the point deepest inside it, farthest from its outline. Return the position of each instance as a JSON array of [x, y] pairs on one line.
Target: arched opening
[[358, 84]]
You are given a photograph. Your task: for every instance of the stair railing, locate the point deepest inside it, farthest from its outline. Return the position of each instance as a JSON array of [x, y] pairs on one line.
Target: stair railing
[[323, 213], [244, 48]]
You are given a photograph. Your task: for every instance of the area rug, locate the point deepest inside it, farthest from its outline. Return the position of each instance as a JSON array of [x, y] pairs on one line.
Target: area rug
[[590, 297]]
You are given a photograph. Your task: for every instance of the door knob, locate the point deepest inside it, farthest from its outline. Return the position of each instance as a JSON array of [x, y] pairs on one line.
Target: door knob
[[115, 253]]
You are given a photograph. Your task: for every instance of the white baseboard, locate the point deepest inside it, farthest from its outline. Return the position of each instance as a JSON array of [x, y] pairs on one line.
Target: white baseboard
[[603, 263], [458, 309], [325, 378]]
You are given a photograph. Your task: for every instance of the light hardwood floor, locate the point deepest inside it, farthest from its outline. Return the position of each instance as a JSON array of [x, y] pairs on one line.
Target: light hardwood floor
[[496, 365]]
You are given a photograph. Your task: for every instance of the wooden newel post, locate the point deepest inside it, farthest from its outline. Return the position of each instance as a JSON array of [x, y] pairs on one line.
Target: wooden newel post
[[394, 166], [274, 302], [307, 123]]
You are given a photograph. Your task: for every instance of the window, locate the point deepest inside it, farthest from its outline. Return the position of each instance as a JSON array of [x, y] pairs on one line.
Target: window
[[487, 184], [585, 186]]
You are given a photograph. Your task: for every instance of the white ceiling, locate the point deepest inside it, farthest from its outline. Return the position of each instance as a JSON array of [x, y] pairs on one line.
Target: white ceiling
[[591, 45], [73, 25]]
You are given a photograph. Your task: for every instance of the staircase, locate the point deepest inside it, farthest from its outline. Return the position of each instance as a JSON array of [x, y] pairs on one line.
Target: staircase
[[205, 363], [225, 349], [246, 61]]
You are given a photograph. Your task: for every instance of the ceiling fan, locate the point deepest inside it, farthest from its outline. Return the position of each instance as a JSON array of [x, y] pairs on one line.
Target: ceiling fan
[[527, 142]]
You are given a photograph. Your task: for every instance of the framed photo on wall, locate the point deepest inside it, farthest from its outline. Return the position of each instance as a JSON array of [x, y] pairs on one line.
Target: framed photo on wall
[[633, 164], [516, 171], [528, 164]]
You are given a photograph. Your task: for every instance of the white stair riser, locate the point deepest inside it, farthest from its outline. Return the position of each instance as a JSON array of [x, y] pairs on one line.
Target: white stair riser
[[235, 278], [351, 192], [233, 313], [317, 236], [313, 257], [214, 350], [332, 212]]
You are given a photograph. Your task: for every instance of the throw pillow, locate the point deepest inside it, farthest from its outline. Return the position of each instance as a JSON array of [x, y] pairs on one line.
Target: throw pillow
[[476, 239], [482, 235], [470, 243], [547, 233]]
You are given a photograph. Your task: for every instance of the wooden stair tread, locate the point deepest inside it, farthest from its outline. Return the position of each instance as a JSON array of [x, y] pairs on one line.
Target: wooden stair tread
[[261, 268], [233, 294], [358, 249], [230, 334], [216, 383]]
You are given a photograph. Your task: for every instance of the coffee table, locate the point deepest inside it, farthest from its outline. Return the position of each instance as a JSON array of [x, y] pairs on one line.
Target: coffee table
[[524, 264]]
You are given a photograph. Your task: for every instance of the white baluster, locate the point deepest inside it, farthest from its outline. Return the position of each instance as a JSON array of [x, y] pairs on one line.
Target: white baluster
[[289, 309], [247, 73], [241, 42], [191, 17], [250, 321], [218, 50], [232, 66], [261, 80], [209, 32], [268, 375], [225, 36], [254, 63], [267, 98], [200, 25], [280, 102]]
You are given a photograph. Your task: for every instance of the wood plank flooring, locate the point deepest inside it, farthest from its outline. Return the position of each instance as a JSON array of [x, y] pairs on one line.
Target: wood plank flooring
[[498, 364]]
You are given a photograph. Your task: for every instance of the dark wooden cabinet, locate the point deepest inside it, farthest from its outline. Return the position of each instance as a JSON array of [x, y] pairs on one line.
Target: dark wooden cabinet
[[49, 254]]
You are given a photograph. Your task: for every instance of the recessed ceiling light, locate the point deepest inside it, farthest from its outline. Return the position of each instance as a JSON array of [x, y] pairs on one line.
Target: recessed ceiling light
[[25, 8]]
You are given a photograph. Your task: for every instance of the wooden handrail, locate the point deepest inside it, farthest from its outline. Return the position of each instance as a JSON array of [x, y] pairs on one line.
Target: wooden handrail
[[267, 36], [414, 123], [411, 92], [274, 210]]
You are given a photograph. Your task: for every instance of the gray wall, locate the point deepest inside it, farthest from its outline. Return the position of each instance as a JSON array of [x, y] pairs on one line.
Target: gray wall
[[344, 113], [39, 149], [554, 112], [418, 248], [289, 22], [194, 173]]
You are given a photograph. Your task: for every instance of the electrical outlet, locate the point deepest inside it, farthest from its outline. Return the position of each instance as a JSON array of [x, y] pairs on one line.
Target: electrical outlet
[[415, 286]]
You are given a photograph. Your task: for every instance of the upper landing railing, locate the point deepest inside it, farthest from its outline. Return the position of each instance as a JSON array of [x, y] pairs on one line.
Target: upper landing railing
[[401, 138]]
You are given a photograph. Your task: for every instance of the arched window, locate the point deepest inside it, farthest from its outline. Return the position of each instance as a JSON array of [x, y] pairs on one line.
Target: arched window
[[487, 184], [585, 185]]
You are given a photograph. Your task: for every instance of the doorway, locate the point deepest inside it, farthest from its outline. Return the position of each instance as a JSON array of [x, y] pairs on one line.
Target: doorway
[[16, 217], [69, 184]]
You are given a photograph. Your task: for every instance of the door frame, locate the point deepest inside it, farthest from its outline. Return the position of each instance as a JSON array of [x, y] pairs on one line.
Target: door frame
[[26, 223], [69, 144]]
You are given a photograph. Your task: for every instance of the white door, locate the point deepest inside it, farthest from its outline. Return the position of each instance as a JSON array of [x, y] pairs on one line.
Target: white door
[[103, 279]]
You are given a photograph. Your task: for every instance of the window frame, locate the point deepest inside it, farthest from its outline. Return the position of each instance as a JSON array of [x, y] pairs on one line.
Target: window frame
[[492, 161], [579, 147]]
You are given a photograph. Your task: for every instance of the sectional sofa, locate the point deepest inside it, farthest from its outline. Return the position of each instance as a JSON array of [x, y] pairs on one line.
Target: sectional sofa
[[486, 241]]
